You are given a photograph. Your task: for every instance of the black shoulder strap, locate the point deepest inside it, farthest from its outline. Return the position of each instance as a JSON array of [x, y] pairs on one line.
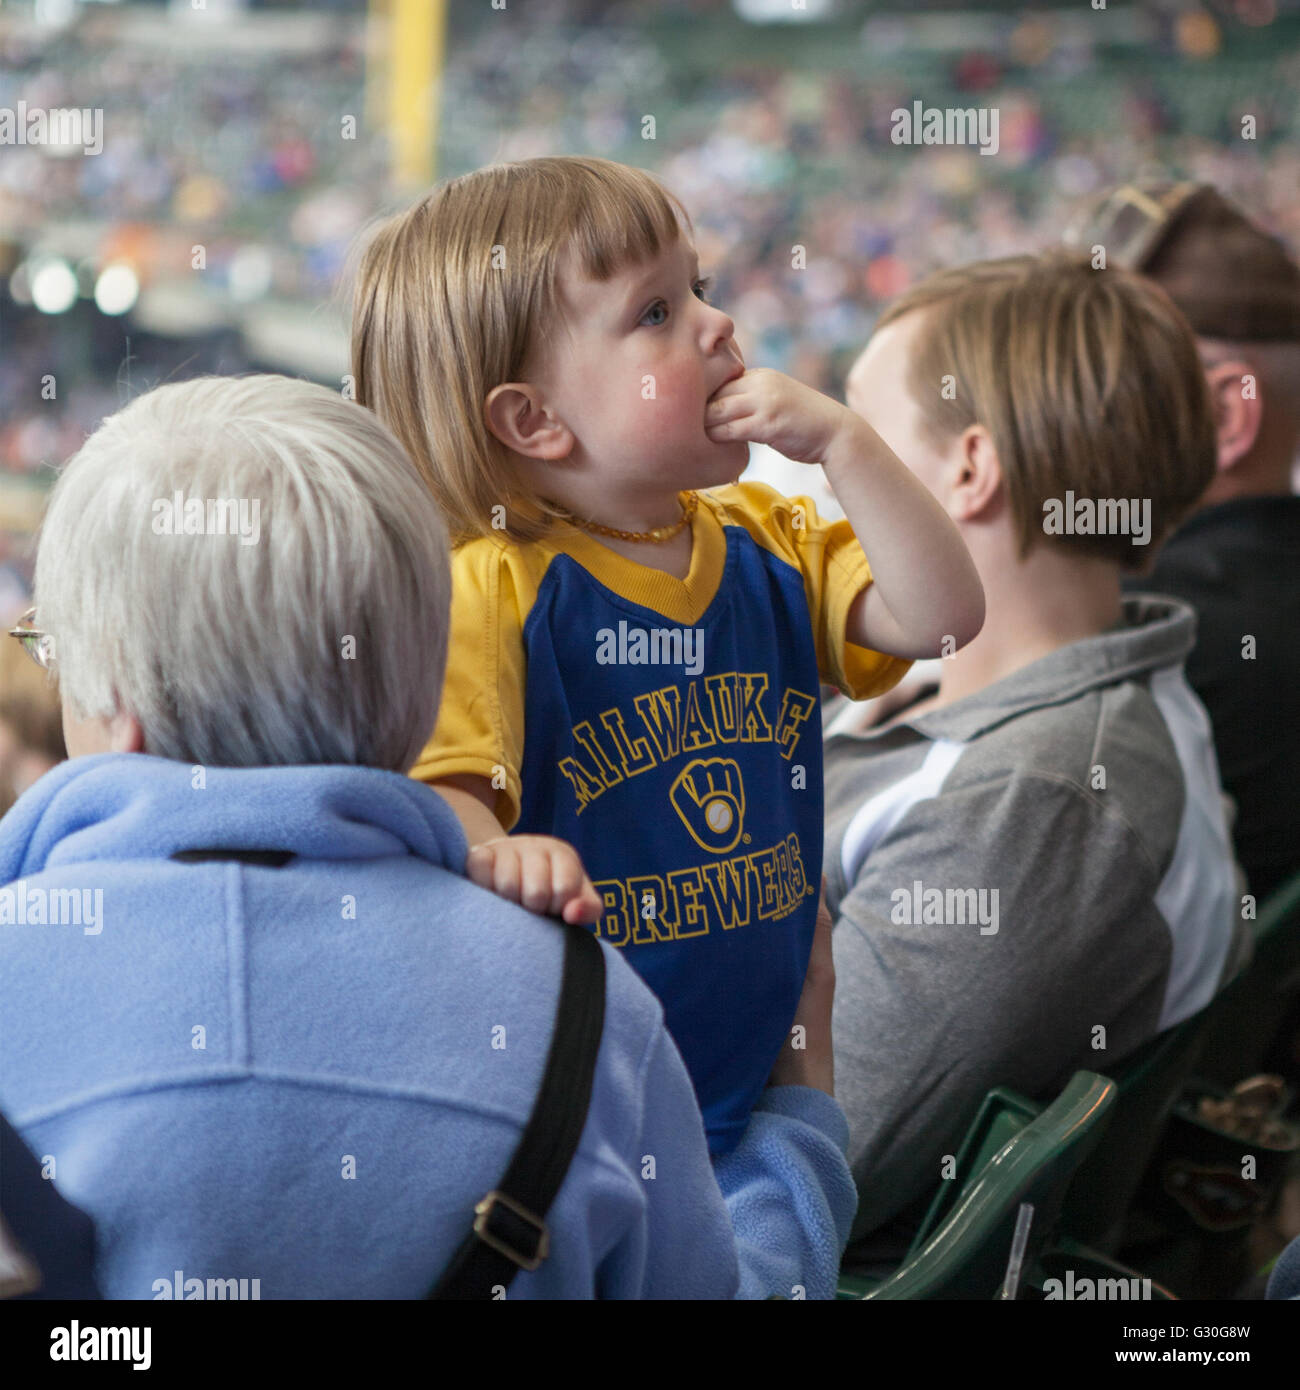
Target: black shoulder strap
[[510, 1230]]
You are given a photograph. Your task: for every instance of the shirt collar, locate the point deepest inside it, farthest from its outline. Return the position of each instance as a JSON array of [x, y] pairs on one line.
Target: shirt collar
[[1153, 632]]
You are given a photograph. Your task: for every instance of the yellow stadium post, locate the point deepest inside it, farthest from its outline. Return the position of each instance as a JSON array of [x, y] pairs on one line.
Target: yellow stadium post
[[417, 33]]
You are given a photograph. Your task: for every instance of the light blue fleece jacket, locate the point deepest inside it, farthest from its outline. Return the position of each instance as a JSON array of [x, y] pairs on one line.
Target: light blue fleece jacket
[[309, 1075]]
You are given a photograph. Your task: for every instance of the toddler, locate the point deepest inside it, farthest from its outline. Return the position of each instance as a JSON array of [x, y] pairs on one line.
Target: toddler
[[637, 637]]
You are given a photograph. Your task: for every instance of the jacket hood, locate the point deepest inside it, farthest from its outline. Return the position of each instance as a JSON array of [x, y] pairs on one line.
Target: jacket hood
[[130, 806]]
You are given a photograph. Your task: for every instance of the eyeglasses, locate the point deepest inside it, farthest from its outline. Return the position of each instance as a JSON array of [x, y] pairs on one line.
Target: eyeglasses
[[1133, 221], [37, 644]]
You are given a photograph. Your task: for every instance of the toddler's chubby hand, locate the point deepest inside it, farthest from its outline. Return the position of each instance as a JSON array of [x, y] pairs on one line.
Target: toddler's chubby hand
[[538, 872], [767, 407]]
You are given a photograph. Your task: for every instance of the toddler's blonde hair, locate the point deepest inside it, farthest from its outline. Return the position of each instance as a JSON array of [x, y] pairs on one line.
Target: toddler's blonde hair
[[459, 293]]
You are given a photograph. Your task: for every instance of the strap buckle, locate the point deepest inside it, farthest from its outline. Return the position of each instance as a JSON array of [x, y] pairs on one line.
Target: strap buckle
[[483, 1214]]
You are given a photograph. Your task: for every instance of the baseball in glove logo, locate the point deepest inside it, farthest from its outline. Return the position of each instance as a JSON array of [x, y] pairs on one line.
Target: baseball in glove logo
[[709, 796]]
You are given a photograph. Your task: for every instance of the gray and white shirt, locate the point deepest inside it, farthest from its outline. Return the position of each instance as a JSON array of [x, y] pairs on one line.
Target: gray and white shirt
[[1032, 880]]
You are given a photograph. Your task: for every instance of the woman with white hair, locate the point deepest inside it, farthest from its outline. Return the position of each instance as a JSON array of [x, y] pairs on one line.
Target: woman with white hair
[[253, 1017]]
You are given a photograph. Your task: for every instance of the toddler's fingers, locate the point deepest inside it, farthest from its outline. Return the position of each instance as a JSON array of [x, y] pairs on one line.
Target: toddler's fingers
[[585, 910], [567, 880], [725, 407], [742, 385], [722, 434], [505, 876], [480, 867], [535, 882], [594, 905]]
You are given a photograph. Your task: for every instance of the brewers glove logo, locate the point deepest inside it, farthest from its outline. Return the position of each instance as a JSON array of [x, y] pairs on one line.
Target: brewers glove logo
[[709, 797]]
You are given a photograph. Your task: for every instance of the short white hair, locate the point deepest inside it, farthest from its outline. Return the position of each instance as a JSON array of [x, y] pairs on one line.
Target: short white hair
[[325, 641]]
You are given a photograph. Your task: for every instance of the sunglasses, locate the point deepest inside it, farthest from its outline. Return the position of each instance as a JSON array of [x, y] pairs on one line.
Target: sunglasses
[[37, 644], [1133, 221]]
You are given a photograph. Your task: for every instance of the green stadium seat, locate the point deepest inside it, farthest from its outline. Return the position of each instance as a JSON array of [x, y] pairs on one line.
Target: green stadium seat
[[1226, 1041], [966, 1254], [1248, 1016], [1147, 1086], [1150, 1082]]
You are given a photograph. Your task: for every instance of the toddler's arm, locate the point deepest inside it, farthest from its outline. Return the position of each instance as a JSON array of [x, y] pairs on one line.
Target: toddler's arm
[[925, 587], [539, 872], [926, 599]]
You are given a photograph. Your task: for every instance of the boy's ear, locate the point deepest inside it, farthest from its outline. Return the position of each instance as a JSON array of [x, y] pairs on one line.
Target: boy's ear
[[518, 415], [977, 478]]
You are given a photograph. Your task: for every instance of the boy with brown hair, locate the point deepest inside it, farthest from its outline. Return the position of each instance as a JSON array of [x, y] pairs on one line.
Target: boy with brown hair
[[1029, 867]]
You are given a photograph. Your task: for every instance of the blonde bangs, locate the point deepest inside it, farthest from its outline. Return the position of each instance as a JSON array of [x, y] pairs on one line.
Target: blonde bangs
[[623, 217]]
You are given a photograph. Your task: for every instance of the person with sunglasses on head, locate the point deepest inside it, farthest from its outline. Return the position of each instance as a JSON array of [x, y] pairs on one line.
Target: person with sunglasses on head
[[1236, 558]]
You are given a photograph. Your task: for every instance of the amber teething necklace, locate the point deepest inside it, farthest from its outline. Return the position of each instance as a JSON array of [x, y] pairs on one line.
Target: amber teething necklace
[[659, 534]]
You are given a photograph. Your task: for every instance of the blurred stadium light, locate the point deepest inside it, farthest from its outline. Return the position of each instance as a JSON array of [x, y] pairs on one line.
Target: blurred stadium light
[[782, 11], [53, 286], [54, 14], [116, 290], [212, 9]]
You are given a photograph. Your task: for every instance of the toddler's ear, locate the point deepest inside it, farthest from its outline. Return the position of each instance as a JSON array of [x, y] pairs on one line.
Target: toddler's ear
[[519, 417]]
